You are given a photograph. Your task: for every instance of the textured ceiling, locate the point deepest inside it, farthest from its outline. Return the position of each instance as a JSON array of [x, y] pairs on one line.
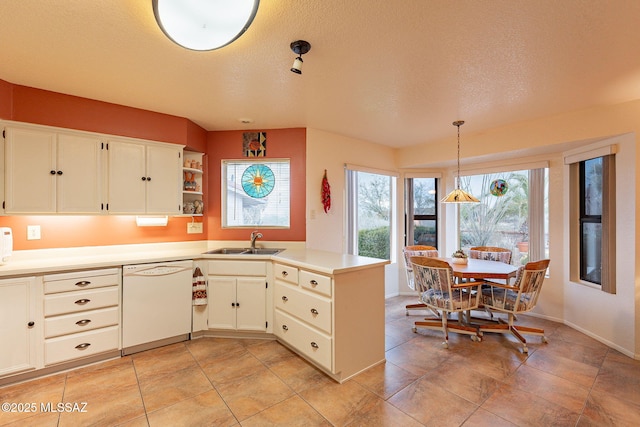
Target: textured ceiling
[[395, 72]]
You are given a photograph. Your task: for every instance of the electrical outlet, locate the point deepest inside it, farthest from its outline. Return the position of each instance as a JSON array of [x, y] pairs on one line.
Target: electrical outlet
[[33, 232], [194, 227]]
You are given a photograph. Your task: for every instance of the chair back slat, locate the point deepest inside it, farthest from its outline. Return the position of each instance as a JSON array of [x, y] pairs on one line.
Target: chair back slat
[[491, 253]]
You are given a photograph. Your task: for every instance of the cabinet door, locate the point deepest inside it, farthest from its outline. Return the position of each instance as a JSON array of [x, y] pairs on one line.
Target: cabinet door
[[164, 170], [222, 309], [17, 309], [251, 297], [30, 171], [79, 187], [127, 190]]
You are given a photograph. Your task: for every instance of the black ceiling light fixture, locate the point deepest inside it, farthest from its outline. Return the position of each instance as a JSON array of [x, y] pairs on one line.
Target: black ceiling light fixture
[[204, 25], [299, 47]]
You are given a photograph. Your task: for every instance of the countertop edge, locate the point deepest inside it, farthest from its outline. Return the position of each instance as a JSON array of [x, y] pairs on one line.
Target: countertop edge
[[320, 261]]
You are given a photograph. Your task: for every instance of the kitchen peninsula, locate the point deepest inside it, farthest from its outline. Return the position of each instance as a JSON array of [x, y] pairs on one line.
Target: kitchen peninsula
[[327, 307]]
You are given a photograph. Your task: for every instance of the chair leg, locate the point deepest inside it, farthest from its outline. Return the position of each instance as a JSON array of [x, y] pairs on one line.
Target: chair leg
[[517, 331], [420, 306]]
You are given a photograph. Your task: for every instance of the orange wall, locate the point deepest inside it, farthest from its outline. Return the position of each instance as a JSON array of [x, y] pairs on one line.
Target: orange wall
[[281, 144], [25, 104]]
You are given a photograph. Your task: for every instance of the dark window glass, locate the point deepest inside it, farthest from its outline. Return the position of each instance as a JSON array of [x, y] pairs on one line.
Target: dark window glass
[[591, 220], [422, 218]]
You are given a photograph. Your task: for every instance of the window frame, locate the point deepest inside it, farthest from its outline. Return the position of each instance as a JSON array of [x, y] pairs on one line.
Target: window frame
[[410, 217], [351, 243], [224, 193], [572, 160], [584, 219]]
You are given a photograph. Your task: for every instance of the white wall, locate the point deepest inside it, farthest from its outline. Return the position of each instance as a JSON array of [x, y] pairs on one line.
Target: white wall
[[326, 231]]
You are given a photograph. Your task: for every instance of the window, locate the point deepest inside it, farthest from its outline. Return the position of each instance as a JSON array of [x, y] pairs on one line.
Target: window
[[256, 193], [421, 211], [592, 191], [591, 220], [370, 213], [512, 213]]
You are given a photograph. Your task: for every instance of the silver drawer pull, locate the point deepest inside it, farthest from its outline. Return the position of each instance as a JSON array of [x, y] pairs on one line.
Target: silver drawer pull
[[314, 311], [82, 301], [83, 322], [313, 283], [285, 299], [284, 274], [314, 345], [83, 283], [83, 346], [285, 327]]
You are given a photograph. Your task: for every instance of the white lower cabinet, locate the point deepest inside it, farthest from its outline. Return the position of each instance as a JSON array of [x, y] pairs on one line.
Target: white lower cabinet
[[335, 321], [17, 325], [238, 295], [82, 314]]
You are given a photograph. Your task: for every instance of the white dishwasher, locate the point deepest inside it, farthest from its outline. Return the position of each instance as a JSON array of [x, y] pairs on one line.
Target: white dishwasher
[[156, 304]]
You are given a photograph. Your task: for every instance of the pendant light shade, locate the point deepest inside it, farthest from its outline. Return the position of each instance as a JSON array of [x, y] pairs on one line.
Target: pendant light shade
[[458, 195]]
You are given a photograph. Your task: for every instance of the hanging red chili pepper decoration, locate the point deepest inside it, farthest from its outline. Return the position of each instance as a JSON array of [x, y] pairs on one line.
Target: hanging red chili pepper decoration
[[326, 193]]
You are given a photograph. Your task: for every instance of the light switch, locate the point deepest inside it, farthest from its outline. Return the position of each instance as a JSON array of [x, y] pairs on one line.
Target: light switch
[[33, 232], [194, 227]]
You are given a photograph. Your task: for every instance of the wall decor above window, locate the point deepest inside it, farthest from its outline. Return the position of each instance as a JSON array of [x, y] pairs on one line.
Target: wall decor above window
[[254, 144]]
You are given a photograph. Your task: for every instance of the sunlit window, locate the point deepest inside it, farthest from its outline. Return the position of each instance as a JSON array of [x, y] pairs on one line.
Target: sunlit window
[[256, 193], [512, 213], [370, 214], [421, 208]]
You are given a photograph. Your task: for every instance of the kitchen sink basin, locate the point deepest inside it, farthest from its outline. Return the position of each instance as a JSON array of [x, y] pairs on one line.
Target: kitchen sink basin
[[227, 251], [262, 251], [244, 251]]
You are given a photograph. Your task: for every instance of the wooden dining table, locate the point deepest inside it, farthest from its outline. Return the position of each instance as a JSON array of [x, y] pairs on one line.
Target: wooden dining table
[[482, 269]]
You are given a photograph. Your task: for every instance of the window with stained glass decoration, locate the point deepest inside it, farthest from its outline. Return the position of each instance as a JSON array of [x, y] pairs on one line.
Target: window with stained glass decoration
[[256, 193]]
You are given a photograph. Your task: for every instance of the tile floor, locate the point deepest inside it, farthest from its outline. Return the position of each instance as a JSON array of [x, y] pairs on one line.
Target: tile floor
[[571, 381]]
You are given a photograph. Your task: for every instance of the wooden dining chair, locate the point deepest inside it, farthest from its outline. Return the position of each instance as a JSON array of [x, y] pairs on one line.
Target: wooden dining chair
[[520, 297], [408, 252], [438, 290], [491, 253]]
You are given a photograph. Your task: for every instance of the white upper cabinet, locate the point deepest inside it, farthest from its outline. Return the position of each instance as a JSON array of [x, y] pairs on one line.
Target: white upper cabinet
[[144, 178], [50, 172]]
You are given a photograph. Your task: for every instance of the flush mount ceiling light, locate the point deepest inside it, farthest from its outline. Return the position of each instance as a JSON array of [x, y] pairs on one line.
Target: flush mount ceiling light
[[204, 24], [458, 195], [299, 47]]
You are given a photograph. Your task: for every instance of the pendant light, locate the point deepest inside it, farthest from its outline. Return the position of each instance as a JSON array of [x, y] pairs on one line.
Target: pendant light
[[458, 195]]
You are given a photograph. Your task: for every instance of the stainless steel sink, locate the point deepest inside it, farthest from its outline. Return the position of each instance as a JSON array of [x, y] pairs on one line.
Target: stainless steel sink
[[244, 251], [227, 251], [262, 251]]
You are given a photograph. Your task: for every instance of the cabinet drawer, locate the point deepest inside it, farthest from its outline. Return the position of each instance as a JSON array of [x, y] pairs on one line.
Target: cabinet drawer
[[80, 322], [313, 309], [73, 302], [315, 282], [286, 273], [237, 268], [76, 281], [84, 344], [313, 344]]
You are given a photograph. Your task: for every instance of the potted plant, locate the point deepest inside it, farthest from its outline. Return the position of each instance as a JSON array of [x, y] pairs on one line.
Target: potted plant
[[459, 257]]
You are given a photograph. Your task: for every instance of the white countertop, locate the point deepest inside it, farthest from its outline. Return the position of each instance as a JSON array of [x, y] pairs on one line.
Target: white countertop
[[326, 262], [54, 260]]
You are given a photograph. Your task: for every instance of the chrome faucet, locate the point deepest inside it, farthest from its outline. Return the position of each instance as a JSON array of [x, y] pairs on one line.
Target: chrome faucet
[[254, 236]]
